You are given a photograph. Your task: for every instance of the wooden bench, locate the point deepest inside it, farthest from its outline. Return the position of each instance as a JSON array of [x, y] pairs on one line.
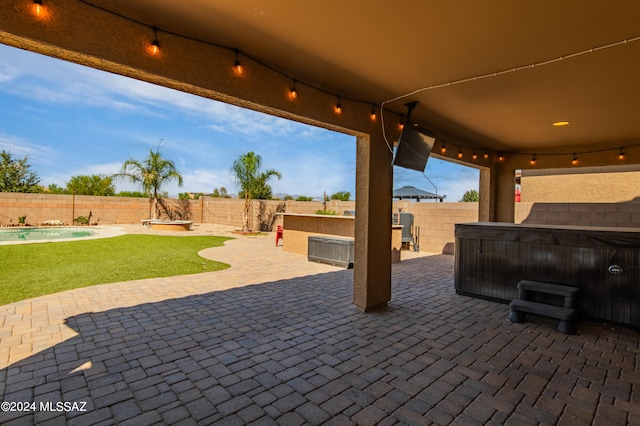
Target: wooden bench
[[567, 314]]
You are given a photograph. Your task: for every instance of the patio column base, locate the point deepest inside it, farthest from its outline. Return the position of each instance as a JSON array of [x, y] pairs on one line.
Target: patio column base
[[377, 308]]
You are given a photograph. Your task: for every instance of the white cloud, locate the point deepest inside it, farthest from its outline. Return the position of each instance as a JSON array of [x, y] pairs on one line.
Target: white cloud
[[21, 148], [97, 88], [8, 73], [98, 169]]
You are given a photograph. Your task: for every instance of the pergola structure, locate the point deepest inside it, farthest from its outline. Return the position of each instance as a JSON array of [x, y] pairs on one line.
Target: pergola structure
[[491, 77], [413, 193]]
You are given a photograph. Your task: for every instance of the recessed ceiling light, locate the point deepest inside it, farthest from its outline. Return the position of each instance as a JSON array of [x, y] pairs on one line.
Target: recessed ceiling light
[[561, 123]]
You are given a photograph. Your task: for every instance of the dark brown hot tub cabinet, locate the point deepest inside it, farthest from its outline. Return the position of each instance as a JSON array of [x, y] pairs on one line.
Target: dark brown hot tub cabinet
[[604, 263]]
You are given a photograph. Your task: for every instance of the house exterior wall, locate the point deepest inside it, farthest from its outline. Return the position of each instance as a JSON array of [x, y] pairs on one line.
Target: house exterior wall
[[580, 214], [602, 184]]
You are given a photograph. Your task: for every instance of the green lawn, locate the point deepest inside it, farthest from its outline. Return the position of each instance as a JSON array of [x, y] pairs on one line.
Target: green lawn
[[30, 270]]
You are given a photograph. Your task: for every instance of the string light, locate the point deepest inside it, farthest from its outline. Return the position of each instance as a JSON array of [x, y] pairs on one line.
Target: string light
[[154, 48], [238, 70], [575, 160], [443, 150], [338, 107], [373, 115], [293, 93], [37, 8], [460, 152], [533, 160], [474, 156]]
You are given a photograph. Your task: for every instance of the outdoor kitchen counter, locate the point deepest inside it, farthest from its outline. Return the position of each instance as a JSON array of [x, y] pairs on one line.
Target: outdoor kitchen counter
[[297, 228], [604, 263]]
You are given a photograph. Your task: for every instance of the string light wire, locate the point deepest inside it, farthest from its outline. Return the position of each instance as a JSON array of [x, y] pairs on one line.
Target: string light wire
[[406, 95], [497, 74]]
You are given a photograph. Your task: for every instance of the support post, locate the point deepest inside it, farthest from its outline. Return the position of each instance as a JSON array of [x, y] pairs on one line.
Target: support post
[[372, 263]]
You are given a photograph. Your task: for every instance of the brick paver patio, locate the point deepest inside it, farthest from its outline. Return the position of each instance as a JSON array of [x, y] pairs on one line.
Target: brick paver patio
[[260, 344]]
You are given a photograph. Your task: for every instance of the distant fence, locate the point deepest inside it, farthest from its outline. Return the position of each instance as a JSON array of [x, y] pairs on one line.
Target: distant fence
[[39, 208], [436, 220]]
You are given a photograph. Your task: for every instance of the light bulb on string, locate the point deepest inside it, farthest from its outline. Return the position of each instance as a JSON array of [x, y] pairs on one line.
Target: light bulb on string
[[337, 108], [238, 70], [293, 93], [37, 9], [474, 156], [533, 160], [621, 155], [443, 149], [501, 157], [574, 161], [460, 152], [373, 116], [154, 48], [486, 154]]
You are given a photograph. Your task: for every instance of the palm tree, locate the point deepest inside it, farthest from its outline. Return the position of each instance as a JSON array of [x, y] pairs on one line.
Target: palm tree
[[252, 181], [151, 174]]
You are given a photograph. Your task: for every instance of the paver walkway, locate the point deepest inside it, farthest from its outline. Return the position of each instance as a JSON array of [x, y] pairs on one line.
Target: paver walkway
[[213, 349]]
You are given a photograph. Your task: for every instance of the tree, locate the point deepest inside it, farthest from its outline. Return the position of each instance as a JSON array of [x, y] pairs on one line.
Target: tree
[[91, 185], [470, 196], [151, 173], [341, 196], [132, 194], [220, 193], [304, 198], [54, 189], [16, 175], [252, 181]]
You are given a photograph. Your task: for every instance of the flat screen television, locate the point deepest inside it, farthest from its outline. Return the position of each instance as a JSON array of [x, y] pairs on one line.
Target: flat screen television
[[413, 149]]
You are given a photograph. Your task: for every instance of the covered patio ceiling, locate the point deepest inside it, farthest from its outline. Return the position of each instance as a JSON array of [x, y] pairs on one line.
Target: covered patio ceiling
[[377, 51]]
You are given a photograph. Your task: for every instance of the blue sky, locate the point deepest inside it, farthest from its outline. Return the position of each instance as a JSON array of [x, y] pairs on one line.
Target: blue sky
[[73, 120]]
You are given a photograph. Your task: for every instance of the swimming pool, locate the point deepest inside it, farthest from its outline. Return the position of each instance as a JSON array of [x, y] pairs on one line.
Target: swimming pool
[[40, 234]]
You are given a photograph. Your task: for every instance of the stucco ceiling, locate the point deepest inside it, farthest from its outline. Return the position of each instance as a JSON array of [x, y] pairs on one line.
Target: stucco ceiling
[[378, 50]]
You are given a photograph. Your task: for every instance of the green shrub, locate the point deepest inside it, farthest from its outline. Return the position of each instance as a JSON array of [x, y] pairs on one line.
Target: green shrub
[[81, 220], [327, 212]]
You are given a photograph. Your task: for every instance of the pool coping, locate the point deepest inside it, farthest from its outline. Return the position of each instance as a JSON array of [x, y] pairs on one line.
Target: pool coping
[[99, 232]]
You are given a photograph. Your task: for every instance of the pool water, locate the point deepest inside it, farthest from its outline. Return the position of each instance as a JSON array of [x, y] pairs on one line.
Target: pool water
[[36, 234]]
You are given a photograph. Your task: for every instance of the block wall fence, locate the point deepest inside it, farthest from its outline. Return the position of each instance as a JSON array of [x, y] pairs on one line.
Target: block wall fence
[[436, 220]]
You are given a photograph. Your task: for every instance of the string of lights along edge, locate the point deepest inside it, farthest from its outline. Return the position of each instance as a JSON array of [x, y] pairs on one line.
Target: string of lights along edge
[[40, 11]]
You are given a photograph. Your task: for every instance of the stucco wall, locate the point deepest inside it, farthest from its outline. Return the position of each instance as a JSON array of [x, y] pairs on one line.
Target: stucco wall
[[596, 184], [297, 230]]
